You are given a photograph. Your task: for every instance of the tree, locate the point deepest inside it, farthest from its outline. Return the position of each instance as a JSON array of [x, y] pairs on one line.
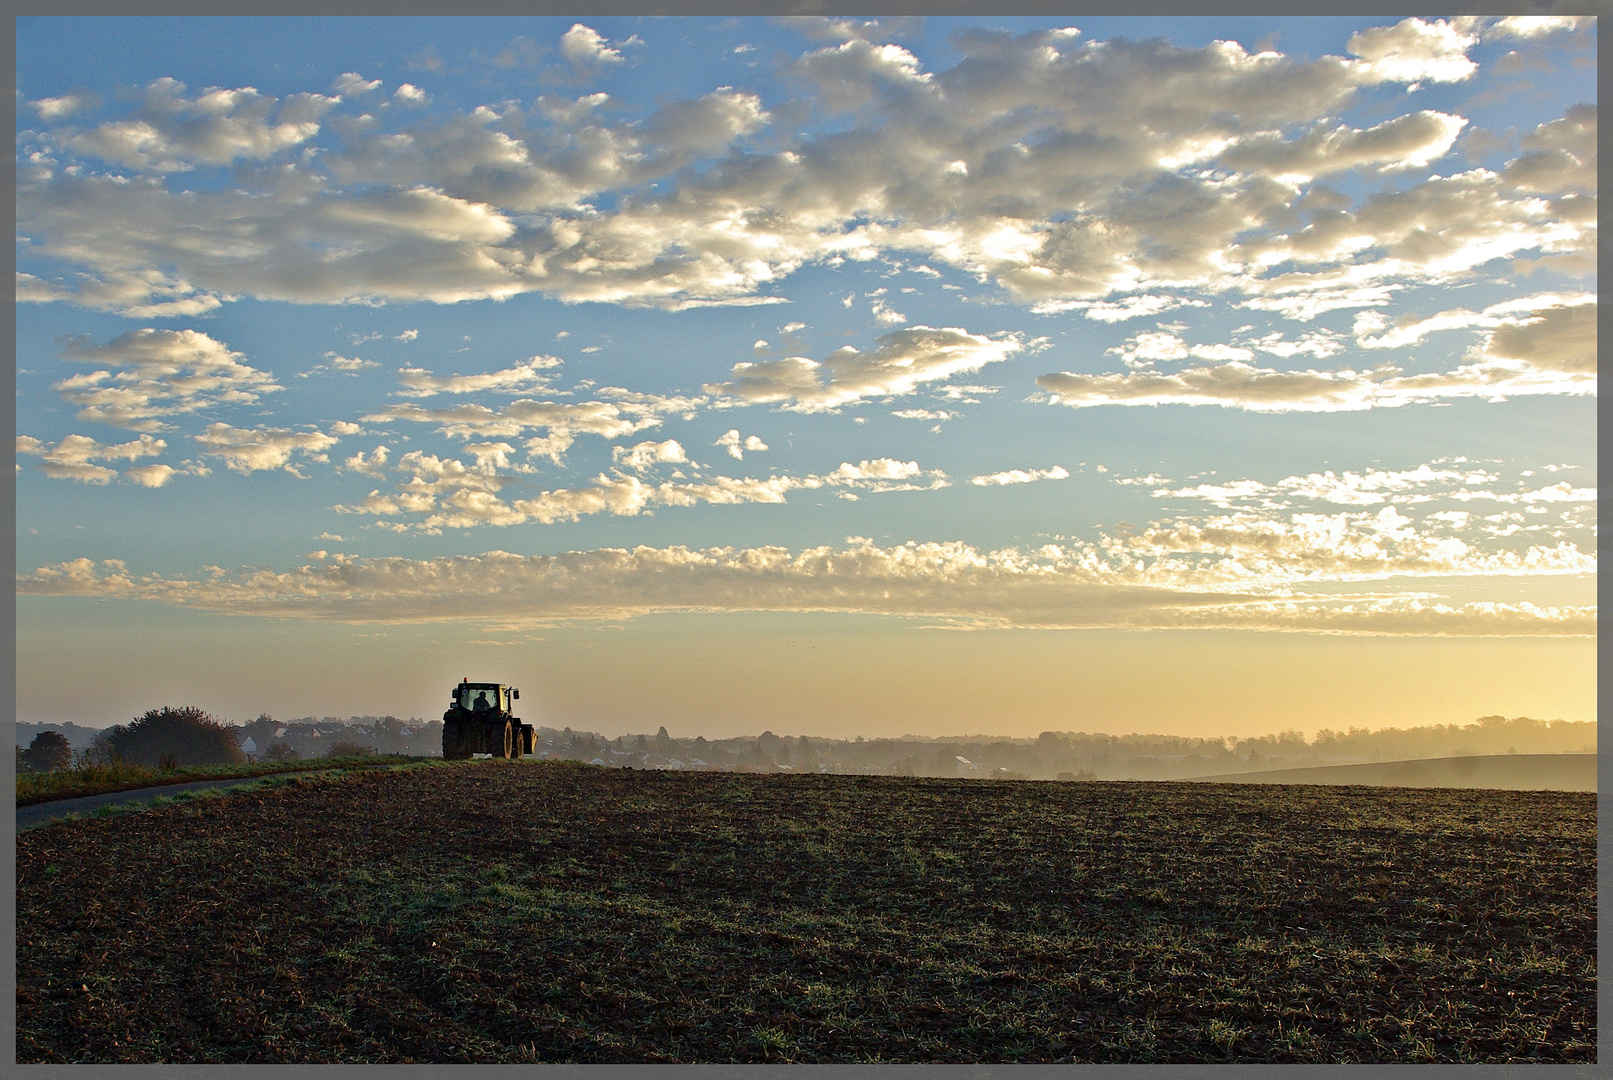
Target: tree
[[184, 736], [280, 751], [99, 752], [49, 750]]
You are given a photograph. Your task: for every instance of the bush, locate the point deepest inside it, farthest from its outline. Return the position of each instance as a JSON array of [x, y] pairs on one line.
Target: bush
[[280, 751], [49, 751], [169, 737], [343, 748]]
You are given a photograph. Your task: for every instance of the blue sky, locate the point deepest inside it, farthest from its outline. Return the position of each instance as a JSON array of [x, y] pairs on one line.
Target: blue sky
[[356, 352]]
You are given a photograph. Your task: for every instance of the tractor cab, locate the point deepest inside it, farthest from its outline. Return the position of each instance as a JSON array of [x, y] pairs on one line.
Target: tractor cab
[[484, 697]]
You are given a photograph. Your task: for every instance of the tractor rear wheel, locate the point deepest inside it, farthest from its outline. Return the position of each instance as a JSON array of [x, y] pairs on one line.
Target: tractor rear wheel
[[506, 750], [453, 742]]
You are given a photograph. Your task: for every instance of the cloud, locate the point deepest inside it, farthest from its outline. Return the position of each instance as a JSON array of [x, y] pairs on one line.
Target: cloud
[[70, 459], [152, 476], [339, 365], [1371, 487], [352, 84], [1411, 140], [1020, 476], [173, 133], [1111, 311], [902, 361], [645, 454], [150, 374], [563, 420], [1550, 327], [1530, 27], [249, 450], [1064, 171], [371, 464], [736, 447], [525, 376], [1413, 51], [55, 108], [942, 583], [1232, 385], [410, 94], [1535, 345], [1308, 547], [584, 48], [452, 494]]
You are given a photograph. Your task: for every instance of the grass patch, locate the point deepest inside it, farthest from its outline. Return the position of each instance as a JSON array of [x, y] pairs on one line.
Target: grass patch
[[121, 776]]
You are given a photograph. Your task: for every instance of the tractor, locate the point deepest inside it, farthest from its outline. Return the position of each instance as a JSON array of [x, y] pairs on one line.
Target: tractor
[[481, 720]]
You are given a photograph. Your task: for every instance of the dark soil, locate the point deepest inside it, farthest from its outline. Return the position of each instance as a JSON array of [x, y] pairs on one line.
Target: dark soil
[[523, 912]]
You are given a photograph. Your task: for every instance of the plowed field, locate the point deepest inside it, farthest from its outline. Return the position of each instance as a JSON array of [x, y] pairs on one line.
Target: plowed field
[[521, 912]]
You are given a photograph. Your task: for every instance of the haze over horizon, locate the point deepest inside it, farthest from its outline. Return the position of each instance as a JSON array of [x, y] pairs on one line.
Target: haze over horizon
[[833, 377]]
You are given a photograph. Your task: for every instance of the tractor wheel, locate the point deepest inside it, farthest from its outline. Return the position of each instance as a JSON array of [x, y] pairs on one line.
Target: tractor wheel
[[507, 749], [453, 742]]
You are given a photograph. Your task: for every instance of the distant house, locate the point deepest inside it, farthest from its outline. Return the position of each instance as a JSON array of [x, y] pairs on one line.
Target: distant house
[[248, 745], [597, 761]]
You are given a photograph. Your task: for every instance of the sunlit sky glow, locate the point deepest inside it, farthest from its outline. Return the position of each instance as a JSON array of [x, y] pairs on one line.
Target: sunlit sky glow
[[833, 376]]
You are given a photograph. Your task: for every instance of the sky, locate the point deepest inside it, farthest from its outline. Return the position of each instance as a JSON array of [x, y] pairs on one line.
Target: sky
[[1202, 376]]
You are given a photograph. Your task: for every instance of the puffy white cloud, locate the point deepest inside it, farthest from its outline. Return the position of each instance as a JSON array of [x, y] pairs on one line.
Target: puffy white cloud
[[410, 94], [645, 454], [949, 583], [174, 133], [1021, 476], [901, 361], [526, 376], [584, 47], [152, 476], [371, 464], [70, 459], [150, 374], [1414, 51], [247, 450], [352, 84], [55, 108], [735, 446]]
